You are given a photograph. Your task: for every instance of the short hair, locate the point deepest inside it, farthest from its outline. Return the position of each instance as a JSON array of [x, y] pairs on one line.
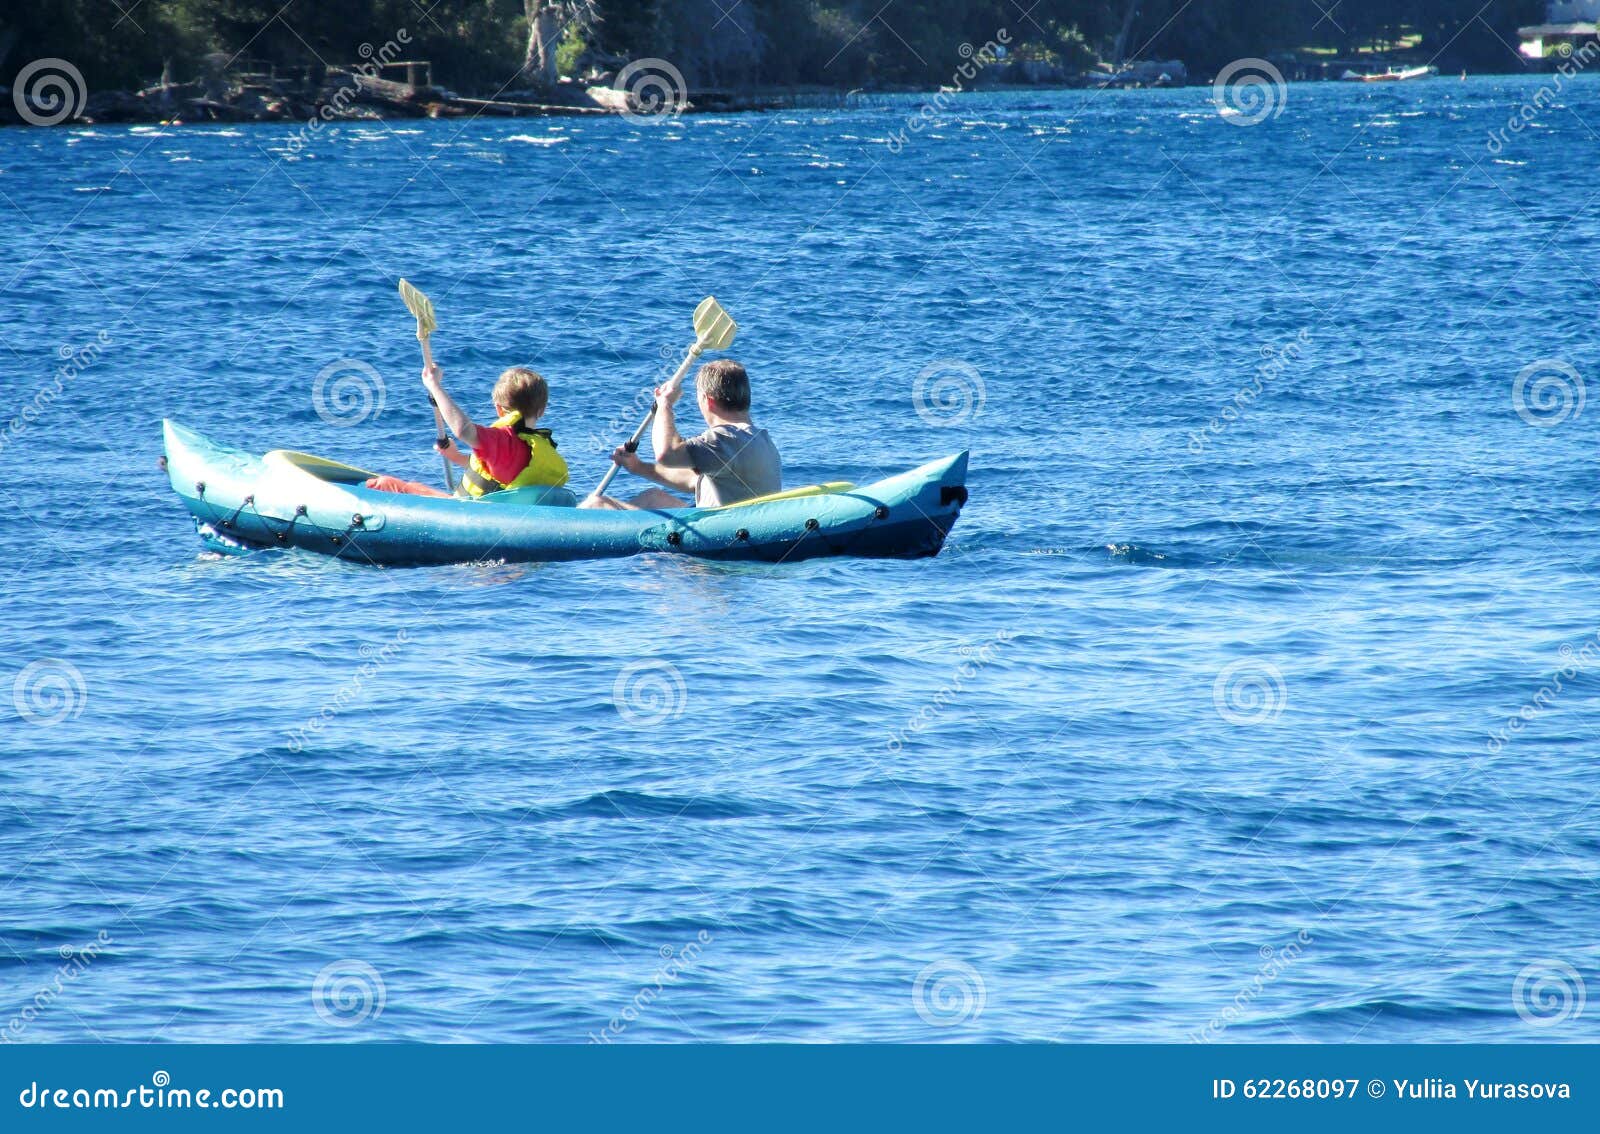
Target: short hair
[[725, 382], [522, 390]]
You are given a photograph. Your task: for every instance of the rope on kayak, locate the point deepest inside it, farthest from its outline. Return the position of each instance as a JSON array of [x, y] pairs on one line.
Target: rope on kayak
[[280, 534], [233, 519]]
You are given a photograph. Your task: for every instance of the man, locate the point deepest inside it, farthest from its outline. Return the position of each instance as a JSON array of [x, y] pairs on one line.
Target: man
[[732, 460]]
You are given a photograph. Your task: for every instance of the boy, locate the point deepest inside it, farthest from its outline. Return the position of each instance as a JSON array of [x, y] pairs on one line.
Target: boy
[[731, 461], [511, 453]]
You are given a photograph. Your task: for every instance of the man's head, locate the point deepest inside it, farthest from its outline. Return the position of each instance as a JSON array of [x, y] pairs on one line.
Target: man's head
[[522, 390], [725, 385]]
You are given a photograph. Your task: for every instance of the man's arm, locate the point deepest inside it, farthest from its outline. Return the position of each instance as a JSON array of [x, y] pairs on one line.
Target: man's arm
[[460, 424], [670, 448], [683, 479]]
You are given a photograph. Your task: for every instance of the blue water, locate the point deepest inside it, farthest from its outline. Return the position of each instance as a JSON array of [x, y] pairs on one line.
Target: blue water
[[1189, 732]]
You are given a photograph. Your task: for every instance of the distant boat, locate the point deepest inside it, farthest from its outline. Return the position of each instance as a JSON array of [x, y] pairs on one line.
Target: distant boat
[[1389, 76]]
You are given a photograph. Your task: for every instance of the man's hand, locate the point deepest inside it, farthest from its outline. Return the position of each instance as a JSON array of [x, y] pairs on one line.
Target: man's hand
[[666, 398], [629, 461]]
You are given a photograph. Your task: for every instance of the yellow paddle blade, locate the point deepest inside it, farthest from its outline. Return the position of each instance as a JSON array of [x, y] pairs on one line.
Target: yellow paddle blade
[[421, 308], [713, 327]]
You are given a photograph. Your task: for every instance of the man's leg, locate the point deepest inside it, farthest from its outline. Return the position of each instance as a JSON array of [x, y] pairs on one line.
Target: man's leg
[[651, 499]]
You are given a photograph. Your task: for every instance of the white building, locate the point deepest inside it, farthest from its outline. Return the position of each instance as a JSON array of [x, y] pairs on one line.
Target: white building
[[1569, 24]]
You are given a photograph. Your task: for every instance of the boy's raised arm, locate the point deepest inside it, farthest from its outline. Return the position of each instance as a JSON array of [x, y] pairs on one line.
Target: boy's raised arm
[[460, 424]]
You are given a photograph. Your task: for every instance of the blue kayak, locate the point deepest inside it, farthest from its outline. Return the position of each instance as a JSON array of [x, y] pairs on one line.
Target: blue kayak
[[241, 501]]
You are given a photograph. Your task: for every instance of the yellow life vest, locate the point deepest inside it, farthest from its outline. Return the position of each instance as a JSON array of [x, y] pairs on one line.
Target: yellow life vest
[[545, 465]]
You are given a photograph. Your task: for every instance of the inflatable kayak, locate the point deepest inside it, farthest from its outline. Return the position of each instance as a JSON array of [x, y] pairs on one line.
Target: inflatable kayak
[[241, 501]]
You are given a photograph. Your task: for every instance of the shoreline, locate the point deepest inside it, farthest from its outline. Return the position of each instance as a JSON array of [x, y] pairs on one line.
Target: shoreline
[[350, 96]]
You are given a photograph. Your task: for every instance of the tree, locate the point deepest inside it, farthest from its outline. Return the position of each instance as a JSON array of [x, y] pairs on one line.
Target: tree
[[548, 21]]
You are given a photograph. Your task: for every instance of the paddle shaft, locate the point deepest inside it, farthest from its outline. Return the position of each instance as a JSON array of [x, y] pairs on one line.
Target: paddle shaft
[[438, 419], [638, 434]]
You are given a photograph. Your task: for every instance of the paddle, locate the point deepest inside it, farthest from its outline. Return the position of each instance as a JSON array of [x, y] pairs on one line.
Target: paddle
[[421, 308], [714, 329]]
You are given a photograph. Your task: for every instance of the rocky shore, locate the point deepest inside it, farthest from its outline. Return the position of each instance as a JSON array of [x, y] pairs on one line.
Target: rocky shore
[[335, 94]]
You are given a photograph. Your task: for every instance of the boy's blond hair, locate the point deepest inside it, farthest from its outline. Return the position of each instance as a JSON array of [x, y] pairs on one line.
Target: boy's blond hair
[[522, 390]]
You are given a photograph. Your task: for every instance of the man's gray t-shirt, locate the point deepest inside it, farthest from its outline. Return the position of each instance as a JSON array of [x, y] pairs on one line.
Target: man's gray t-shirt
[[735, 462]]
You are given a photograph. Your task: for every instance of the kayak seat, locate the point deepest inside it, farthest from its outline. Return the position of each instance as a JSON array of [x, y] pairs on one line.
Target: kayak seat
[[546, 495], [320, 467], [827, 488]]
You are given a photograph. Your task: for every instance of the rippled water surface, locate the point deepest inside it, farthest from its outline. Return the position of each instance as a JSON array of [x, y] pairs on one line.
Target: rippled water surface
[[1201, 725]]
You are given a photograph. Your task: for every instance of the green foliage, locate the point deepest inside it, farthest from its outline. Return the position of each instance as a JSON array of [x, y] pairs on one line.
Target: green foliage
[[479, 44], [571, 52]]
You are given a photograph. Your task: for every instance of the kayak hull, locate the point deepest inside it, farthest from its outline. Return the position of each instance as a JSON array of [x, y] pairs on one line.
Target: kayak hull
[[243, 502]]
